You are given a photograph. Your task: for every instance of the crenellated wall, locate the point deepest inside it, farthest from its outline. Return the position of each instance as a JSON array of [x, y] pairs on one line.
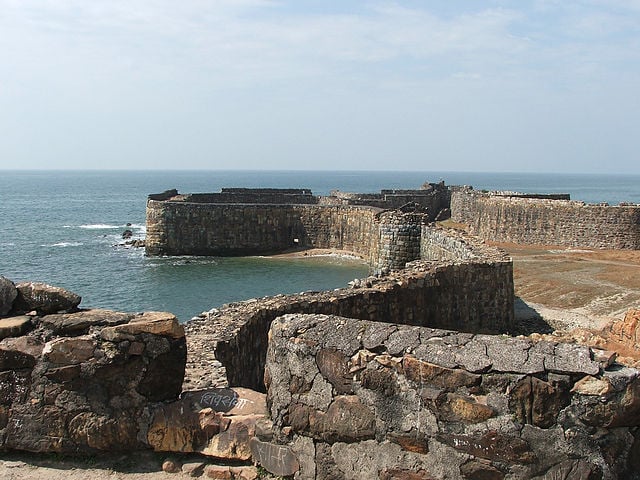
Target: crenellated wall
[[547, 221]]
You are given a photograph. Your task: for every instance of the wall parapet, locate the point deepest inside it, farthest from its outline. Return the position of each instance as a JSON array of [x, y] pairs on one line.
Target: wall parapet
[[547, 221]]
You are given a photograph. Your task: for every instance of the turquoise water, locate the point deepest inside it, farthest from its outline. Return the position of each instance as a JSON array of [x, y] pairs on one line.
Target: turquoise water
[[61, 228]]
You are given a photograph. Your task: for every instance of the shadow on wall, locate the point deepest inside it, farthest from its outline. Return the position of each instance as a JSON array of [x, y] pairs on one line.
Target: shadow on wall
[[528, 320]]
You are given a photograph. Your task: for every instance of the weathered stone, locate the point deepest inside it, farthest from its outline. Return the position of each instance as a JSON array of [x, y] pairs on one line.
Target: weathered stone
[[175, 427], [193, 469], [19, 353], [191, 425], [402, 474], [8, 293], [592, 386], [458, 408], [403, 341], [623, 412], [492, 445], [232, 443], [80, 322], [573, 470], [101, 432], [513, 355], [380, 380], [536, 402], [69, 351], [334, 366], [14, 326], [424, 373], [218, 472], [230, 401], [346, 420], [571, 358], [277, 459], [171, 465], [412, 442], [44, 298], [82, 394], [245, 473], [156, 323], [480, 470]]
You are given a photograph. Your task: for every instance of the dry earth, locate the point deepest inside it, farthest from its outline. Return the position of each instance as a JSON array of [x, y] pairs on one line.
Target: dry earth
[[569, 287], [558, 289]]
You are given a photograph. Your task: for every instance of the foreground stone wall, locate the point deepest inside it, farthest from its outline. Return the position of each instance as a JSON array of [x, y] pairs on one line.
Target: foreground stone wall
[[81, 381], [547, 222], [471, 296], [362, 400]]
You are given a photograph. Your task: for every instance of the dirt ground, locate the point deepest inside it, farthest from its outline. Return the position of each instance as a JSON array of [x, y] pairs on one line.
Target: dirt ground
[[568, 287], [557, 288]]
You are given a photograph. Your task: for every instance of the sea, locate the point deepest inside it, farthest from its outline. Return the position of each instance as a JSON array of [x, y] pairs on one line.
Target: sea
[[65, 228]]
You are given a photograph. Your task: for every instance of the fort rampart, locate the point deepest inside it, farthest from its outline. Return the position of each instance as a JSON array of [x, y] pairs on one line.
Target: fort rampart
[[547, 221], [446, 290], [265, 221]]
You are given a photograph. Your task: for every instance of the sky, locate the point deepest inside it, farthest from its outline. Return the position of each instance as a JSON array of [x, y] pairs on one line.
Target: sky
[[466, 85]]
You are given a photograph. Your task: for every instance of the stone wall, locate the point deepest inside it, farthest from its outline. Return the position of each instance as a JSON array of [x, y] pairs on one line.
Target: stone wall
[[220, 229], [355, 399], [471, 296], [547, 222], [83, 381], [265, 221]]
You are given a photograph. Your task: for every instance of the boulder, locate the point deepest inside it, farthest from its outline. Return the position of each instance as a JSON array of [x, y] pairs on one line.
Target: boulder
[[44, 299], [8, 294]]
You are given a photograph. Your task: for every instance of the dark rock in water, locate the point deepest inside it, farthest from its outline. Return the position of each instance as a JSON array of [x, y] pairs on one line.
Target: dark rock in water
[[135, 243], [44, 299], [127, 234], [8, 294]]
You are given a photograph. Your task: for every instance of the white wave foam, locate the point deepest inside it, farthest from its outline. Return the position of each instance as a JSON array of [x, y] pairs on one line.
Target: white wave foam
[[64, 244], [7, 244], [99, 226]]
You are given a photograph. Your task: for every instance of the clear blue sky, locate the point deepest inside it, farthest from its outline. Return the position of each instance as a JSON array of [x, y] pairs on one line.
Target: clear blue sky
[[548, 85]]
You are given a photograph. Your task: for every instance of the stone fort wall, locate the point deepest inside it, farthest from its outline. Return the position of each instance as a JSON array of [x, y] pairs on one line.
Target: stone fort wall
[[468, 292], [547, 221], [239, 222]]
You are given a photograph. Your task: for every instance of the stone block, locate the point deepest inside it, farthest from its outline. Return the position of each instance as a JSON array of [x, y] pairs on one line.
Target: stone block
[[14, 326], [276, 459], [69, 351], [216, 422], [19, 353]]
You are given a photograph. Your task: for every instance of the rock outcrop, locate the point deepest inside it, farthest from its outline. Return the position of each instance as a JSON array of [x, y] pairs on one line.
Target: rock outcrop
[[360, 400]]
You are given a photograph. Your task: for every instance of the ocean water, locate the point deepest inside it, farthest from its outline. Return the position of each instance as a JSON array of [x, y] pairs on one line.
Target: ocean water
[[62, 228]]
